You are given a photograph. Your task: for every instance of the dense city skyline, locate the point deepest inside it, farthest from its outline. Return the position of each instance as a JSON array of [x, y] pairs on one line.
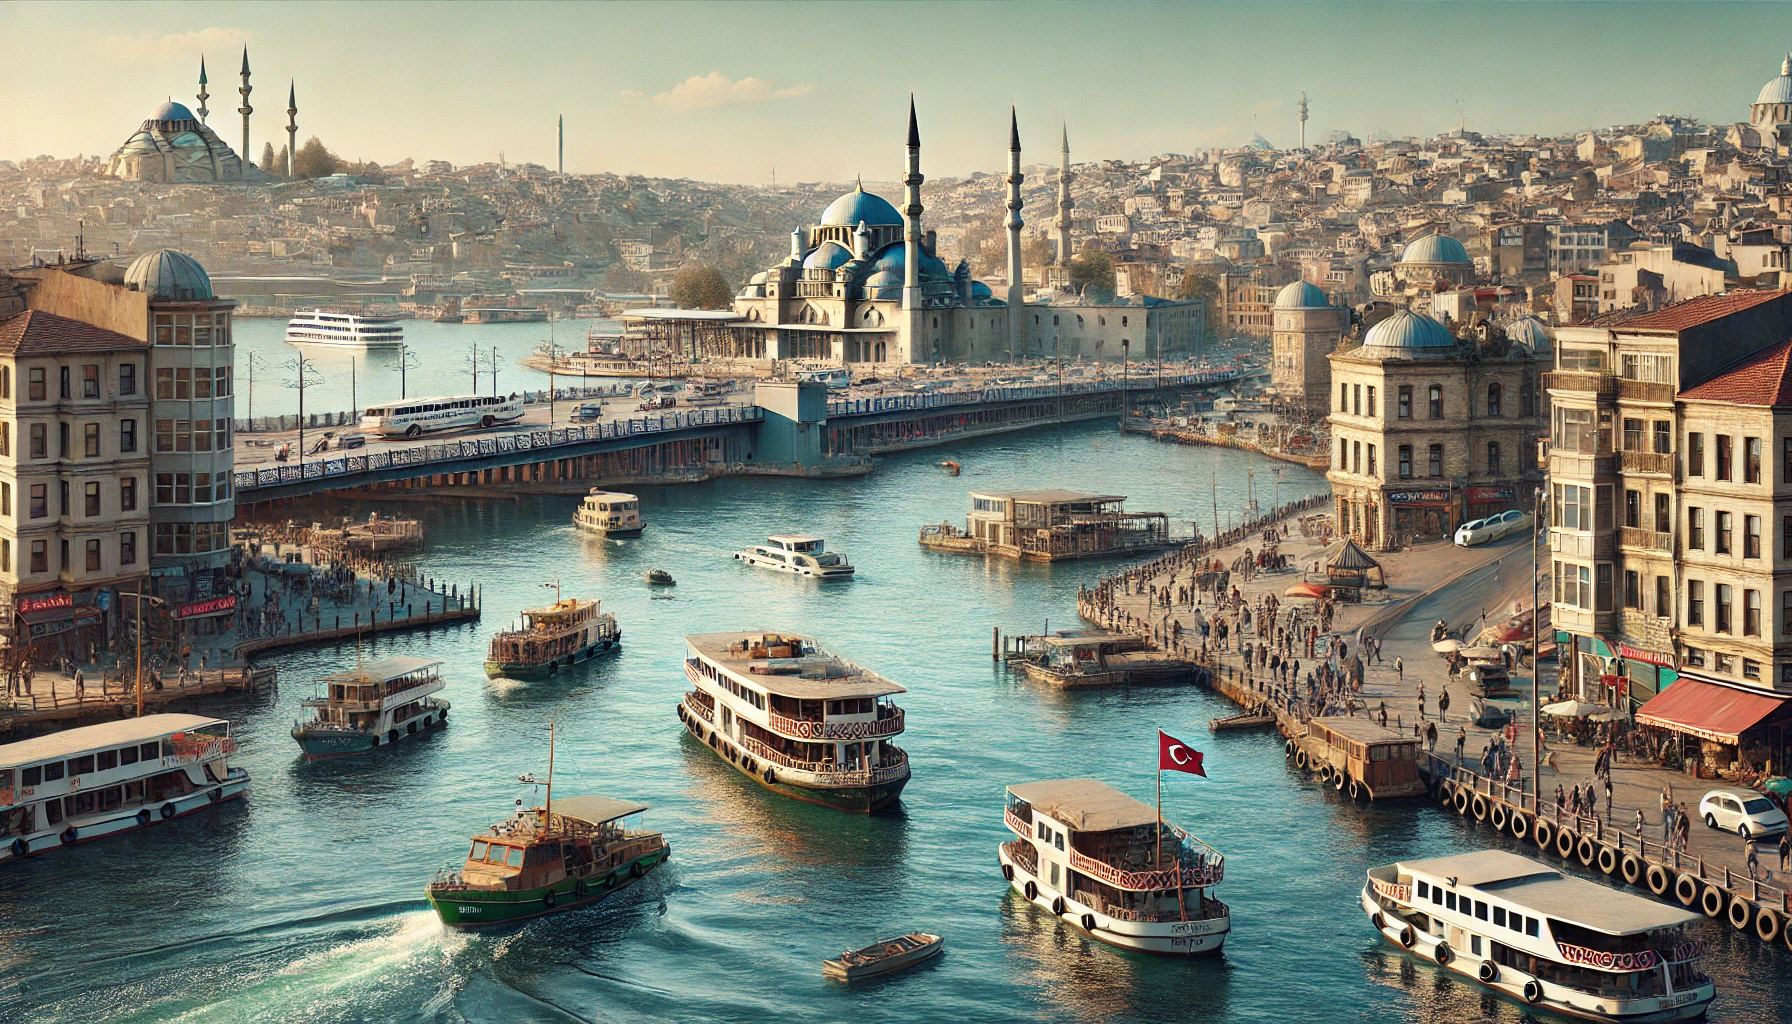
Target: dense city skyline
[[742, 93]]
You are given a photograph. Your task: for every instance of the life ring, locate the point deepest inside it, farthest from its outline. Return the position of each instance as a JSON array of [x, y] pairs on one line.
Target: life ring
[[770, 776], [1339, 779], [1521, 825], [1741, 913], [68, 836], [1586, 851], [1008, 872], [168, 810], [1543, 834], [144, 817], [1461, 801], [1058, 905], [1443, 954], [1088, 922], [1408, 937], [1533, 990], [1030, 890], [20, 848], [1608, 860], [1630, 868], [1711, 901], [1687, 889], [635, 870], [1356, 791], [1767, 925], [547, 899], [1565, 841], [1658, 880], [1488, 972], [1479, 806], [1496, 816], [1300, 759]]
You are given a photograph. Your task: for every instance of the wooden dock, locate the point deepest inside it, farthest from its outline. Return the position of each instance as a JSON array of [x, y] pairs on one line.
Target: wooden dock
[[356, 628], [54, 704]]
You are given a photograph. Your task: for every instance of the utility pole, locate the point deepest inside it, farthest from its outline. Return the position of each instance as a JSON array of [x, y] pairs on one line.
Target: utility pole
[[406, 360], [494, 371], [473, 361], [1536, 662], [354, 386], [304, 374]]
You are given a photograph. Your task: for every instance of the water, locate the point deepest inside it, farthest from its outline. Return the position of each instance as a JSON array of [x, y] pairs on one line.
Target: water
[[304, 903]]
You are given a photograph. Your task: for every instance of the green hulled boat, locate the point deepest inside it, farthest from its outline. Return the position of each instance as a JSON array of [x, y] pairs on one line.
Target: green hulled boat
[[571, 853], [568, 632]]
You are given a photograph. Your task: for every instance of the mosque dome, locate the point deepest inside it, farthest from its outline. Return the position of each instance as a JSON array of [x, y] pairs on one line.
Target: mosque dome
[[1301, 295], [168, 274], [1778, 90], [891, 258], [827, 256], [1407, 331], [172, 146], [172, 111], [1435, 249], [758, 278], [885, 284], [1531, 332], [860, 206], [980, 291]]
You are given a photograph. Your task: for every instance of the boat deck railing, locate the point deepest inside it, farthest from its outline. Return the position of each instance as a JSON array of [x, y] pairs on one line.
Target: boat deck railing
[[828, 771], [817, 729]]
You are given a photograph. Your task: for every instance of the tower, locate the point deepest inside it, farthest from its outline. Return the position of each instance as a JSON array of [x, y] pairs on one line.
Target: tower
[[1061, 226], [245, 109], [203, 95], [562, 143], [1016, 310], [1303, 120], [911, 237], [292, 130]]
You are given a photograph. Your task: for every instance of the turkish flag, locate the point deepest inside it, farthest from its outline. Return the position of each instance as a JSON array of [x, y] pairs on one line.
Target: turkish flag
[[1173, 755]]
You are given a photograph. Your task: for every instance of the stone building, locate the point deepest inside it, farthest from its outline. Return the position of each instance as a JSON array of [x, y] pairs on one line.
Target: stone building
[[1429, 432], [1307, 328]]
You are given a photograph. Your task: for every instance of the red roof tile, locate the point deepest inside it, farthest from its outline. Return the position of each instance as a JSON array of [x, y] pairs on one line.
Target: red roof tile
[[1762, 378], [36, 333], [1700, 310]]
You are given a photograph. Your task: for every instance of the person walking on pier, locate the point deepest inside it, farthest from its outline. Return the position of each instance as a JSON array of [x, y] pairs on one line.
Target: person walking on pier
[[1461, 743], [1608, 793], [1639, 821], [1443, 706], [1785, 850], [1754, 860], [1561, 801], [1430, 733], [1421, 701], [1399, 670]]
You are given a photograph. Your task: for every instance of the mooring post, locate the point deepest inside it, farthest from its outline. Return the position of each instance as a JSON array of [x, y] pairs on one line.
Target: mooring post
[[995, 643]]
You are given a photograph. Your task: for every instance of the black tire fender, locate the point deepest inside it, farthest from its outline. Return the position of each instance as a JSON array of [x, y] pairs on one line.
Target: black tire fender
[[636, 870], [1687, 889], [1479, 806], [1533, 990], [1058, 905], [1461, 801], [1008, 872], [169, 810], [1488, 972], [1608, 860], [1030, 890], [68, 836], [1378, 921], [1444, 954], [1586, 851], [1543, 834], [1630, 868], [1088, 922], [1711, 901], [1300, 758], [1657, 880], [548, 898], [1565, 842], [1408, 937], [1357, 792], [1496, 816], [770, 776], [1767, 924], [1741, 913], [144, 817], [1288, 749], [1521, 825]]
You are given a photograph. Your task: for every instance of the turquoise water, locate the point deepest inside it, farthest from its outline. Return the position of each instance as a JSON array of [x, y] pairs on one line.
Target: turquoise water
[[304, 902]]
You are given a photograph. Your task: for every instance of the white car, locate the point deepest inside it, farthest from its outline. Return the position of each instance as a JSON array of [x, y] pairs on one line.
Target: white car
[[1744, 812], [1475, 531]]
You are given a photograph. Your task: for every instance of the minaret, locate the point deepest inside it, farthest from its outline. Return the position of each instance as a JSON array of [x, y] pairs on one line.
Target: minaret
[[245, 109], [562, 143], [1061, 227], [203, 95], [292, 130], [911, 238], [1016, 308], [1303, 120]]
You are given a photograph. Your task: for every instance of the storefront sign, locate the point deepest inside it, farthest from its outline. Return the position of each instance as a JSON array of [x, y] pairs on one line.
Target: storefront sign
[[27, 605], [1630, 653], [1476, 494], [212, 607], [1641, 960], [1428, 497]]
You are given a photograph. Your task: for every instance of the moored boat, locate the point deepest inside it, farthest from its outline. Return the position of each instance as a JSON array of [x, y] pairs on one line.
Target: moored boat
[[98, 780], [1552, 942], [661, 578], [372, 705], [568, 632], [798, 554], [885, 956], [609, 513], [1107, 864], [795, 719]]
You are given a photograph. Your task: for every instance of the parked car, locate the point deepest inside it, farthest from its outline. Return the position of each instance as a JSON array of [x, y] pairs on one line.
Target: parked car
[[1742, 811], [1475, 531], [1513, 521], [348, 441]]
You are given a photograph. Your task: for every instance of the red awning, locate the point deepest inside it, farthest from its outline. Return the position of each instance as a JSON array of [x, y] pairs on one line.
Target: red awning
[[1707, 710], [1312, 590]]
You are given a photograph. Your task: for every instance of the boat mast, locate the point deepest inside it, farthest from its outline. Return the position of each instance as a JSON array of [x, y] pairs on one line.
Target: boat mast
[[547, 812]]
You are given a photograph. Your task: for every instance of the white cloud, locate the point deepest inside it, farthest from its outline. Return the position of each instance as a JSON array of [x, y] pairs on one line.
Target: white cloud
[[715, 89], [178, 46]]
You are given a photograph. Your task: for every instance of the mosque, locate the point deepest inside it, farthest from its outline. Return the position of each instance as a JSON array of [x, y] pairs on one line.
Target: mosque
[[174, 146]]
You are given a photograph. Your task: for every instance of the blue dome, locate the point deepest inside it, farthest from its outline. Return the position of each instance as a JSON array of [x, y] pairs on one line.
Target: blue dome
[[891, 258], [885, 284], [172, 111], [827, 256], [979, 290], [167, 274], [1301, 295], [1406, 331], [860, 205], [1435, 249]]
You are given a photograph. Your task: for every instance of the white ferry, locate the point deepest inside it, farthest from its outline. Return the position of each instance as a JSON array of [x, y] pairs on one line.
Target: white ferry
[[798, 554], [414, 416], [81, 784], [1548, 940], [610, 513], [374, 705], [796, 719], [336, 329], [1105, 863]]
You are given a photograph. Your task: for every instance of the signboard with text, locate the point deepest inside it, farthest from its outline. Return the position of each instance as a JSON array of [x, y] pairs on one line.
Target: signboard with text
[[1419, 497], [211, 607]]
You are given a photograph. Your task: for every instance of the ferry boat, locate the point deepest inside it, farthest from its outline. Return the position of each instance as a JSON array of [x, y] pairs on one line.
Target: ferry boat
[[567, 632], [546, 859], [373, 705], [798, 554], [336, 329], [795, 719], [1359, 758], [1550, 941], [1107, 864], [610, 513], [97, 780], [502, 315]]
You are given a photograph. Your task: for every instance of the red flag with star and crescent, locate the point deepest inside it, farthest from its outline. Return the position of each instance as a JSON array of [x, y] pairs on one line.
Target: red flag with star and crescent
[[1173, 755]]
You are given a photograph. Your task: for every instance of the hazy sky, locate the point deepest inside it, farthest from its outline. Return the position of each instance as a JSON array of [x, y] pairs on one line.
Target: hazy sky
[[727, 91]]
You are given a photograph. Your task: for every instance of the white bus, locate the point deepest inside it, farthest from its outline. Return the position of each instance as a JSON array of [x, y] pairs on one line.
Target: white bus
[[414, 416]]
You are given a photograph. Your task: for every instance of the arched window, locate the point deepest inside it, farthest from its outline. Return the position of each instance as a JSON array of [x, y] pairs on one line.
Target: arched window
[[1437, 402], [1493, 399]]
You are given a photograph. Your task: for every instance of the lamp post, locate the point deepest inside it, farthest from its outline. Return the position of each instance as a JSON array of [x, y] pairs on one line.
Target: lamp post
[[304, 375], [1125, 392]]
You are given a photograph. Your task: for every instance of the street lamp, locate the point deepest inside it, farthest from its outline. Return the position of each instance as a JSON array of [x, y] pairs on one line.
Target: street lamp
[[304, 375], [1125, 393]]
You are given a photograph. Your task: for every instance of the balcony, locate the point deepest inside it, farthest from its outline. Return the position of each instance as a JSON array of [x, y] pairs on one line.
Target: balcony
[[1016, 825], [1645, 391], [1656, 463], [888, 723], [1599, 385], [1649, 540]]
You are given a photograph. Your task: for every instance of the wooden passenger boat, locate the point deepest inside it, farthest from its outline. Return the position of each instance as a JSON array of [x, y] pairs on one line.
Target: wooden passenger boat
[[609, 514], [568, 632], [886, 956], [1104, 659], [1358, 757], [372, 705]]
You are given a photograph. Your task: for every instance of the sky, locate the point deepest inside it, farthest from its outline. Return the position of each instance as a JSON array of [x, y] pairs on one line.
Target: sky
[[736, 92]]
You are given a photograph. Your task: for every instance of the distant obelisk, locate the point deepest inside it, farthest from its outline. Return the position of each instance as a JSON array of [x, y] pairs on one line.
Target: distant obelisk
[[292, 128], [562, 143], [245, 109]]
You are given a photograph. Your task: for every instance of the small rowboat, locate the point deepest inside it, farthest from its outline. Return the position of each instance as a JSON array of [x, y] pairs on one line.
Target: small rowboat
[[1244, 720], [661, 578], [883, 957]]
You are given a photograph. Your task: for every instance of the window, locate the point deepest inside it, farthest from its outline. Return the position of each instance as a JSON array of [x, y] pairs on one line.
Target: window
[[5, 436], [62, 441], [1664, 438], [40, 501], [1663, 517], [1493, 399], [5, 499], [1751, 613], [127, 378], [1372, 460], [1751, 460], [35, 384], [1695, 528], [40, 556], [1633, 589], [1437, 460], [183, 382], [1663, 599], [127, 436], [164, 383], [1695, 454], [183, 435], [1633, 435], [1723, 533], [1723, 457], [1405, 456], [1343, 398], [221, 382], [65, 382], [1633, 509], [90, 498], [127, 548], [164, 435], [1602, 598], [1437, 402], [5, 382], [90, 380], [1751, 669], [1695, 603], [127, 494], [1724, 601], [40, 441], [1357, 457], [1371, 397], [93, 555], [1356, 392], [1751, 536], [1493, 458], [90, 440], [5, 555], [1499, 917], [1404, 411]]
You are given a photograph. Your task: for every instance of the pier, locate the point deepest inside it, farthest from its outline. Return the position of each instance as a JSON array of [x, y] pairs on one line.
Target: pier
[[56, 702]]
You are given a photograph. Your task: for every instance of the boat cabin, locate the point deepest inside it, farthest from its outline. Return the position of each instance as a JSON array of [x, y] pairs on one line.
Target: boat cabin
[[356, 699], [1061, 524], [609, 512], [574, 837], [1384, 761]]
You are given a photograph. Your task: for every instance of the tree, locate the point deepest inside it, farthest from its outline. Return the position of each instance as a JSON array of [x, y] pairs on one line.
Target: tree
[[620, 277], [701, 287], [267, 159], [1092, 273], [315, 161]]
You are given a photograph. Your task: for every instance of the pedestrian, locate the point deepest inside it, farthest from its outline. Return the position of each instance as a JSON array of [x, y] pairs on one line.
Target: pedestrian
[[1461, 743], [1639, 821], [1561, 799], [1785, 850], [1421, 700], [80, 685], [1574, 799], [1443, 706], [1608, 796], [1754, 862], [1431, 736]]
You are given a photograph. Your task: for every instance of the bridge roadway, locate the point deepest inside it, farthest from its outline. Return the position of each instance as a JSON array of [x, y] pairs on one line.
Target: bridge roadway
[[685, 441]]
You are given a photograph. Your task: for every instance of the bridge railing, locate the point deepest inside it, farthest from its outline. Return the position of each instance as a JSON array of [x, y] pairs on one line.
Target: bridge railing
[[945, 399]]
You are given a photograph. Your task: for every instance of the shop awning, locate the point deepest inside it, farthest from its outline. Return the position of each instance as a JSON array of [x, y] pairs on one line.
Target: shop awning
[[1707, 710]]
